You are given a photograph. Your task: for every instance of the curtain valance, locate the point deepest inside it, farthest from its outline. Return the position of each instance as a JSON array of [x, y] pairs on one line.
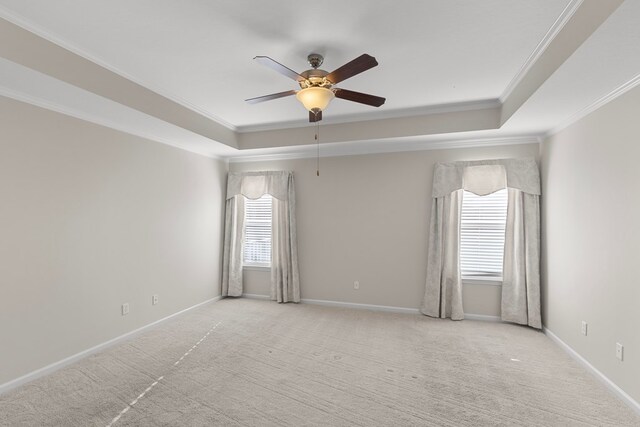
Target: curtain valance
[[520, 174], [254, 185]]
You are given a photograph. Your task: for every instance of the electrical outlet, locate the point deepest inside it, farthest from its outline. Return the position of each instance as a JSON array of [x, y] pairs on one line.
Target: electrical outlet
[[583, 329], [356, 285], [619, 351], [125, 308], [154, 299]]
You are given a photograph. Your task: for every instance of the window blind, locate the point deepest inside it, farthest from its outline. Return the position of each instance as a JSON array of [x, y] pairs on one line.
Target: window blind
[[482, 230], [257, 238]]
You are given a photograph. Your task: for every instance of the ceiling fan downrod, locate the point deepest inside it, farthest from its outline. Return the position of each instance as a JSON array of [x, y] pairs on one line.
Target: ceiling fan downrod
[[315, 60]]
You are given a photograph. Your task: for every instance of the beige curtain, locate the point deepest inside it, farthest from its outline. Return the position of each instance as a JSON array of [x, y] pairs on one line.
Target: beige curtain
[[521, 272], [521, 266], [232, 249], [443, 293], [285, 278]]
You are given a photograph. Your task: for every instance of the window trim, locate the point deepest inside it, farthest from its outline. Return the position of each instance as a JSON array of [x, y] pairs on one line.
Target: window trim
[[482, 281], [256, 267]]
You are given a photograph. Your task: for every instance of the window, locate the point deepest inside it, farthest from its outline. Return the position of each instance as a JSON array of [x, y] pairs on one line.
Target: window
[[257, 238], [482, 230]]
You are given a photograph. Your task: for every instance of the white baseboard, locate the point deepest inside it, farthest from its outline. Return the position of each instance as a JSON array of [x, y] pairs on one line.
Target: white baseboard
[[387, 308], [482, 317], [599, 375], [256, 296], [74, 358], [344, 304]]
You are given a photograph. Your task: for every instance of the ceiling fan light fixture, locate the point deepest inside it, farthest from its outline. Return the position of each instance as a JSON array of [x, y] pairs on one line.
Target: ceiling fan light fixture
[[316, 86], [315, 98]]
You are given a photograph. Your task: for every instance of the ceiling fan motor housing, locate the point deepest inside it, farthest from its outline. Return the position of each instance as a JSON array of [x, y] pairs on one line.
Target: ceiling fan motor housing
[[314, 77]]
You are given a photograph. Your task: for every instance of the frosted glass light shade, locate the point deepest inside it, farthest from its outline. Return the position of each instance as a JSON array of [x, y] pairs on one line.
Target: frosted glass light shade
[[315, 97]]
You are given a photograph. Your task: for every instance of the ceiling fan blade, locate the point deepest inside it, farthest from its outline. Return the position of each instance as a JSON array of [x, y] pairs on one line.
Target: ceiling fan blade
[[270, 97], [315, 117], [362, 98], [278, 67], [350, 69]]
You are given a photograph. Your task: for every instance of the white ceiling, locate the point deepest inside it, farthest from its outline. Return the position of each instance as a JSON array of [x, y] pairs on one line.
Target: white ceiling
[[435, 56], [431, 52]]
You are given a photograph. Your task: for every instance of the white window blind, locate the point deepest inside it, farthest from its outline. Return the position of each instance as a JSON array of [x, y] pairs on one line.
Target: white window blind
[[257, 238], [482, 230]]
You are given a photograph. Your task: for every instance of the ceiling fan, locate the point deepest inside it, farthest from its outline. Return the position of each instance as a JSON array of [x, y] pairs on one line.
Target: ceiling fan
[[316, 86]]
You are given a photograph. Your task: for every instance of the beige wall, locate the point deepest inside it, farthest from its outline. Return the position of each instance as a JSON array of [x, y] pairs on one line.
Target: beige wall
[[91, 218], [591, 238], [366, 218]]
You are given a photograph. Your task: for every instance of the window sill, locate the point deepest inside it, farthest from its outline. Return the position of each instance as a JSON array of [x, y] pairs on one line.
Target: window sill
[[257, 267], [486, 281]]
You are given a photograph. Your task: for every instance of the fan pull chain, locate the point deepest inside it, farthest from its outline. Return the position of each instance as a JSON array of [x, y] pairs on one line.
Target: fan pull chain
[[318, 149]]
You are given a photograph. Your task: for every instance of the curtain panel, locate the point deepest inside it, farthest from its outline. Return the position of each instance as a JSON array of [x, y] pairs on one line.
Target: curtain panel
[[443, 294], [285, 277], [521, 264]]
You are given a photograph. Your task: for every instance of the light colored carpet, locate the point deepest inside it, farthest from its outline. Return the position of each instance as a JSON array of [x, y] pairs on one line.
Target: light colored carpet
[[267, 364]]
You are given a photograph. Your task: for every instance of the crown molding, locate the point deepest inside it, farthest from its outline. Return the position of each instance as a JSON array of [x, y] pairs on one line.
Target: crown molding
[[82, 115], [381, 146], [618, 91], [553, 31], [24, 23], [482, 104]]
